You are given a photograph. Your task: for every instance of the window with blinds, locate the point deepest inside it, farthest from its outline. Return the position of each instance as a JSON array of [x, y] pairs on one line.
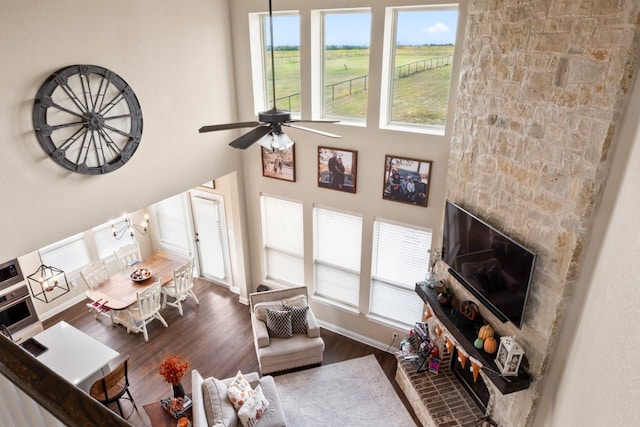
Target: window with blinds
[[106, 244], [70, 254], [283, 238], [172, 226], [400, 259], [337, 247]]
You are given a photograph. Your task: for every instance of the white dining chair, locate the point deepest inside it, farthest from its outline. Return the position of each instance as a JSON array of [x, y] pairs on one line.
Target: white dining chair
[[180, 288], [94, 273], [128, 255], [146, 310]]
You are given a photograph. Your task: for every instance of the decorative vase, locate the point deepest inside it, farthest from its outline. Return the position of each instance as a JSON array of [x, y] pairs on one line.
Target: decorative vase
[[178, 390]]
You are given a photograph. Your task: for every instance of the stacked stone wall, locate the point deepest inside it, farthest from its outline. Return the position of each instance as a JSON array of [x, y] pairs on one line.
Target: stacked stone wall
[[542, 91]]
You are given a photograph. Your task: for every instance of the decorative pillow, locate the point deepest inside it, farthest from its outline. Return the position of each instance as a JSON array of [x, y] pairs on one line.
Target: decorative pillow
[[260, 309], [279, 323], [296, 301], [253, 408], [239, 390], [217, 407], [298, 318]]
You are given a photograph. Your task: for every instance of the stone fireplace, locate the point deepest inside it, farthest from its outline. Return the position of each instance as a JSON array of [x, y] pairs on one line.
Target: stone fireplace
[[454, 396], [542, 88]]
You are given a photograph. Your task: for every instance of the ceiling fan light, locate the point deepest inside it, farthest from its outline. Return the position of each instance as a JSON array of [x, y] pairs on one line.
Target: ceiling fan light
[[276, 141], [281, 141]]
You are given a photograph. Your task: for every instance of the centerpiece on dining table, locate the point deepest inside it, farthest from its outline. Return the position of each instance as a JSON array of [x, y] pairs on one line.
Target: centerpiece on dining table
[[140, 274], [173, 369]]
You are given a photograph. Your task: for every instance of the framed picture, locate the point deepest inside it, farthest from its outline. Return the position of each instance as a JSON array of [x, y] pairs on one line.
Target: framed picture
[[337, 169], [406, 180], [279, 164]]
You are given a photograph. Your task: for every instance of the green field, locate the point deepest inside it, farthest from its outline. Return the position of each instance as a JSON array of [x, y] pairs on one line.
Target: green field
[[418, 98]]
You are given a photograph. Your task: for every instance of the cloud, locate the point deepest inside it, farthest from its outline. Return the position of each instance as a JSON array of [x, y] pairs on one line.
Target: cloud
[[436, 28]]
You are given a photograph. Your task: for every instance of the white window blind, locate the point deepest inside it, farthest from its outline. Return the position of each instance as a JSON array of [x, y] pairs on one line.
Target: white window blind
[[106, 244], [70, 254], [171, 222], [283, 237], [400, 259], [338, 242]]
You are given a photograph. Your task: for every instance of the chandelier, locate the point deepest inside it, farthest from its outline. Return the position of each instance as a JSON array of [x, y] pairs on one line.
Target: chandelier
[[130, 227]]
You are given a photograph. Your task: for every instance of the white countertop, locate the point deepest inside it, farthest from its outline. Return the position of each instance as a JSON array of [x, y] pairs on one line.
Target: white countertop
[[72, 354]]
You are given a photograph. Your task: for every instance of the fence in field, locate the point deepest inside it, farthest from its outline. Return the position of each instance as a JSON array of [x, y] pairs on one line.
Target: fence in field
[[359, 84], [412, 68]]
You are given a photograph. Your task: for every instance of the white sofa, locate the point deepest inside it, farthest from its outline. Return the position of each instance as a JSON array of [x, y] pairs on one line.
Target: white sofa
[[273, 416]]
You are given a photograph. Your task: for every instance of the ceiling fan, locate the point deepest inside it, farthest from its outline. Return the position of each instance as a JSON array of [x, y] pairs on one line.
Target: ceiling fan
[[268, 129]]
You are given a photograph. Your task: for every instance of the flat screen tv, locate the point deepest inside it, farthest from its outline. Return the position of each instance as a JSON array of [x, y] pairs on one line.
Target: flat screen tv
[[493, 267]]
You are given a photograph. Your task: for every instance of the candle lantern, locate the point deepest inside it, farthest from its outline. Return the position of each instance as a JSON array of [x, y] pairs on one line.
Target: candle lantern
[[509, 356]]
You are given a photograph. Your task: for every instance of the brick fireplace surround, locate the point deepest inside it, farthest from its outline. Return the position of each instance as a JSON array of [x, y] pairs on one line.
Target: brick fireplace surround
[[439, 400]]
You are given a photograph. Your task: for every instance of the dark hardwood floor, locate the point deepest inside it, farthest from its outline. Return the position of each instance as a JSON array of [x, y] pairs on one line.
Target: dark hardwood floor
[[214, 336]]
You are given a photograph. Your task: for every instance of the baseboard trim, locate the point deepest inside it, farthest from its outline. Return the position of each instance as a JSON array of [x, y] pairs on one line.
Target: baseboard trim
[[357, 337]]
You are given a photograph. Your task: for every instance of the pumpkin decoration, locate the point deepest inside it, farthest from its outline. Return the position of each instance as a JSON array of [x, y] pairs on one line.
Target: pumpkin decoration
[[485, 332], [478, 343], [490, 345]]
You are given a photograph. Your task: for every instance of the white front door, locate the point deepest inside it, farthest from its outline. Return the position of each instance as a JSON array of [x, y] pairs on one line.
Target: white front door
[[211, 238]]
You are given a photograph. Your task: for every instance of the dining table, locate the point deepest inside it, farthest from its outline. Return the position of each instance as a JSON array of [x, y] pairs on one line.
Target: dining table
[[119, 291]]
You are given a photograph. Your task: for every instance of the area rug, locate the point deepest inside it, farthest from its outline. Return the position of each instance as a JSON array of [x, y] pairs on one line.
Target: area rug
[[351, 393]]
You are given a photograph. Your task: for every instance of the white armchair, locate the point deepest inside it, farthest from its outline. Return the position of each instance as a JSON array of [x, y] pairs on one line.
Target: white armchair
[[276, 353], [180, 288], [146, 310]]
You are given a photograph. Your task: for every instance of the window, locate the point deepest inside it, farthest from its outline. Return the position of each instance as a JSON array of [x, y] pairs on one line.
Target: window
[[172, 226], [338, 242], [106, 244], [70, 254], [345, 44], [400, 259], [286, 37], [419, 56], [282, 235]]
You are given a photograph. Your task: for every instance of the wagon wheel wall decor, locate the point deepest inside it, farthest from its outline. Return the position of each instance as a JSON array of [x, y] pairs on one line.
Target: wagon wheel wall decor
[[87, 119]]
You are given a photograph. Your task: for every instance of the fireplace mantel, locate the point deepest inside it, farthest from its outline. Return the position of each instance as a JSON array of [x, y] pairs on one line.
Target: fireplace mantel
[[504, 384]]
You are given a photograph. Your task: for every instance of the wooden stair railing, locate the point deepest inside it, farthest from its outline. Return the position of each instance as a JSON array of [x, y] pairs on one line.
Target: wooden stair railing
[[66, 402]]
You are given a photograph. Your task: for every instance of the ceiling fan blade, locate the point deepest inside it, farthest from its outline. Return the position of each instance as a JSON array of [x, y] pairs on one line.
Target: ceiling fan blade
[[246, 140], [228, 126], [314, 121], [319, 132]]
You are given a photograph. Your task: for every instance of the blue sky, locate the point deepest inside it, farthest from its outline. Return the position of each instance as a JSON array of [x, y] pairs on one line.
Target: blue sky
[[414, 28]]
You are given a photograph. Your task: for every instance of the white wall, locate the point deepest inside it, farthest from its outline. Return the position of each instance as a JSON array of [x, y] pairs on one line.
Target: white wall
[[176, 57], [371, 144], [594, 377]]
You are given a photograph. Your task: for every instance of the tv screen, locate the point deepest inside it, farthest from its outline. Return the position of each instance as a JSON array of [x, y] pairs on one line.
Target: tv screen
[[494, 268]]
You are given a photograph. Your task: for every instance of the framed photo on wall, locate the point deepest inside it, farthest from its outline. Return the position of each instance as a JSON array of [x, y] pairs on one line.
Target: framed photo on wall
[[279, 164], [337, 169], [406, 180]]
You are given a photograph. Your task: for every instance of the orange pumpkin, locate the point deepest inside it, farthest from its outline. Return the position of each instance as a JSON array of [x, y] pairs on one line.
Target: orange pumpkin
[[490, 345], [485, 332]]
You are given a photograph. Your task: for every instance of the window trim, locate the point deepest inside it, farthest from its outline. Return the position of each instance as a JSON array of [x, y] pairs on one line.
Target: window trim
[[329, 299], [266, 246], [388, 66], [258, 48], [317, 64], [72, 274], [389, 282]]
